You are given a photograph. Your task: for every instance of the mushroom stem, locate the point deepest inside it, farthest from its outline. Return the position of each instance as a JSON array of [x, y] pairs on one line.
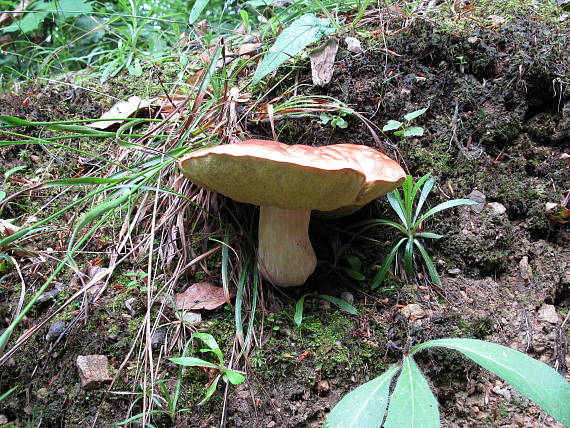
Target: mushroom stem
[[286, 256]]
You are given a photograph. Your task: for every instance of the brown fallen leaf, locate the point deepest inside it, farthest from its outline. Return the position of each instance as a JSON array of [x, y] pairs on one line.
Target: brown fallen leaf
[[202, 295], [322, 62], [7, 228], [248, 48], [122, 110]]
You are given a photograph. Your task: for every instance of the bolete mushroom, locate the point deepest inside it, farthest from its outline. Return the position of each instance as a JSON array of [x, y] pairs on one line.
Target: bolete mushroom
[[288, 182]]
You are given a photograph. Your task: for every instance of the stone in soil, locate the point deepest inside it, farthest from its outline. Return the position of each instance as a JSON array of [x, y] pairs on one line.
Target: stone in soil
[[93, 371]]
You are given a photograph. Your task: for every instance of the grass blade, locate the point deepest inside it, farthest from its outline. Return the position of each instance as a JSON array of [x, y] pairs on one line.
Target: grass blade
[[386, 266], [444, 206], [427, 260]]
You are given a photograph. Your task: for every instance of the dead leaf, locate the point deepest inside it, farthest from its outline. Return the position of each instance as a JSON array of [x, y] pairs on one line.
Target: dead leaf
[[122, 110], [202, 295], [248, 48], [322, 62], [7, 228]]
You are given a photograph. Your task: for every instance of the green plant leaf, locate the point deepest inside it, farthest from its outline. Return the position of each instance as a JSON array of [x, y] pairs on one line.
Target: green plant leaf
[[14, 170], [423, 196], [197, 10], [2, 195], [371, 223], [354, 274], [385, 266], [209, 340], [303, 31], [8, 393], [31, 21], [444, 206], [414, 131], [391, 125], [409, 257], [427, 260], [235, 378], [365, 406], [211, 389], [397, 205], [412, 404], [412, 115], [135, 68], [428, 235], [193, 362], [298, 318], [534, 379], [340, 303]]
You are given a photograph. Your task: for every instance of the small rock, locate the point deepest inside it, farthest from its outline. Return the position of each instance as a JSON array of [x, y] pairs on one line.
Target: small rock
[[47, 296], [129, 305], [496, 208], [158, 338], [548, 313], [473, 39], [271, 424], [192, 318], [353, 45], [42, 393], [348, 297], [413, 312], [55, 330], [3, 420], [93, 371], [524, 269], [504, 392], [478, 197], [550, 206], [323, 386], [454, 271]]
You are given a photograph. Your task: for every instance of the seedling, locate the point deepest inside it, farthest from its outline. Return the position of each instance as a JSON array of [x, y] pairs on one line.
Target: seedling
[[411, 402], [410, 225], [227, 375], [406, 129]]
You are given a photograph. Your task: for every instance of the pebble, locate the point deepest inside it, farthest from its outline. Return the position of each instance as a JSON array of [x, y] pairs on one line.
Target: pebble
[[48, 295], [3, 420], [158, 338], [353, 45], [413, 311], [496, 208], [192, 318], [93, 371], [348, 297], [55, 330], [548, 313], [454, 271], [524, 269], [323, 386], [478, 197]]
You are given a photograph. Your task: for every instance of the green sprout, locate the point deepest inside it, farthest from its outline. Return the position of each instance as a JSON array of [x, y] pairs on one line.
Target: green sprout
[[410, 225], [405, 129]]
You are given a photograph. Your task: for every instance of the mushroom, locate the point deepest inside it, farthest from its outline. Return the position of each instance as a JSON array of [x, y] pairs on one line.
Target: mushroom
[[288, 182]]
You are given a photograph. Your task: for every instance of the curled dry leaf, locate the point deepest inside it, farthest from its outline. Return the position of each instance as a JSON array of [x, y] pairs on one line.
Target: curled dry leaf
[[248, 48], [202, 295], [322, 62], [122, 110], [7, 228]]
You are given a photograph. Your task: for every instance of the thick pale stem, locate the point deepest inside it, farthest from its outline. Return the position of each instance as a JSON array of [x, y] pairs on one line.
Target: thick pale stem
[[286, 256]]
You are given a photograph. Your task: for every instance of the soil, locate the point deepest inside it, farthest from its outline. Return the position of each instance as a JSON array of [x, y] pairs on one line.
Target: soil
[[498, 123]]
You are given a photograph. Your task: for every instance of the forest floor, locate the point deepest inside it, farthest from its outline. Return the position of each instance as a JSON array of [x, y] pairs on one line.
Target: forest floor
[[496, 130]]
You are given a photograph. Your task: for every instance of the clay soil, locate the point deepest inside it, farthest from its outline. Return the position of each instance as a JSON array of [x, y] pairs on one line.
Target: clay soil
[[497, 126]]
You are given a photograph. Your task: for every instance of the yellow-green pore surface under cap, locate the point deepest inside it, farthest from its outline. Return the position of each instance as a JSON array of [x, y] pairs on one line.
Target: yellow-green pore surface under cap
[[296, 177]]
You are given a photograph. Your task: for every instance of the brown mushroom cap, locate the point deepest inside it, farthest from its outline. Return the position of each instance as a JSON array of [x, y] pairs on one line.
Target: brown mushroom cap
[[270, 173]]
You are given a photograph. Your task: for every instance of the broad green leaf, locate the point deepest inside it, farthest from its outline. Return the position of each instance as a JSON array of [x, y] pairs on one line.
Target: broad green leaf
[[444, 206], [414, 131], [427, 260], [391, 125], [341, 303], [196, 11], [235, 378], [412, 404], [532, 378], [135, 68], [298, 318], [302, 32], [354, 262], [354, 274], [260, 3], [193, 362], [2, 195], [423, 196], [209, 340], [365, 406], [412, 115], [386, 266], [31, 21]]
